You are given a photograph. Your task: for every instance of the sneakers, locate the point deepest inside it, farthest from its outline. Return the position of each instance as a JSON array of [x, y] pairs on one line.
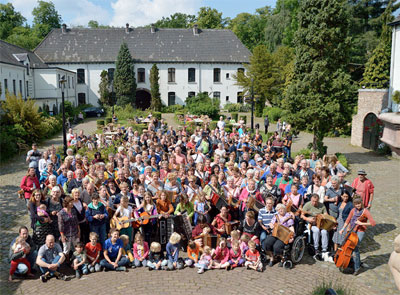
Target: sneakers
[[201, 270], [60, 276], [317, 256], [356, 272], [44, 278], [260, 268], [229, 267], [78, 274], [121, 268], [271, 263]]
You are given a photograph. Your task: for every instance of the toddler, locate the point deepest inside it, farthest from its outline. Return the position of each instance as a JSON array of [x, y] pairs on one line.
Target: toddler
[[156, 256], [193, 252], [235, 256], [41, 212], [80, 261], [244, 240], [221, 255], [205, 260], [20, 245], [173, 252], [140, 251], [127, 250], [93, 251], [253, 260]]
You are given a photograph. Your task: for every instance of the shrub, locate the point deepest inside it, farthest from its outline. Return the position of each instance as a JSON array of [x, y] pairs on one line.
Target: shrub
[[157, 115], [100, 123], [244, 108], [342, 159], [126, 112], [232, 107], [305, 152], [244, 118], [108, 120], [202, 104], [396, 97], [235, 116], [172, 108], [51, 126], [274, 113], [323, 286], [139, 127], [213, 125]]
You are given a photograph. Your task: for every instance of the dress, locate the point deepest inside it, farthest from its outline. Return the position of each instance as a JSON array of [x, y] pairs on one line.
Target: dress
[[337, 237]]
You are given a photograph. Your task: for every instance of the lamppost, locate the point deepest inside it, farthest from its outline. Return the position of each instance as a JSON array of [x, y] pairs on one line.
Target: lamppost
[[252, 104], [112, 96], [62, 82]]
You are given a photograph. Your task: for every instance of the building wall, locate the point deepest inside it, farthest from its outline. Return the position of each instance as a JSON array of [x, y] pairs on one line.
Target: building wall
[[181, 87], [395, 66], [11, 72]]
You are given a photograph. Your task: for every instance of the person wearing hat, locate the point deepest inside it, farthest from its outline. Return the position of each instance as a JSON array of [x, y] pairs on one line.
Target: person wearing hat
[[364, 188]]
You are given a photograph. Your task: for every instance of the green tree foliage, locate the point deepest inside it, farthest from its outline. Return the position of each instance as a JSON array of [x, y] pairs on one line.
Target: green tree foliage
[[93, 24], [156, 104], [45, 18], [124, 77], [211, 18], [320, 97], [9, 19], [104, 91], [377, 69], [262, 74], [24, 37], [176, 20], [250, 28], [203, 104]]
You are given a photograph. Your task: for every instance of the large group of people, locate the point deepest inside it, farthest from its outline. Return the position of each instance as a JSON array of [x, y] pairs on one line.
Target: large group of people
[[215, 194]]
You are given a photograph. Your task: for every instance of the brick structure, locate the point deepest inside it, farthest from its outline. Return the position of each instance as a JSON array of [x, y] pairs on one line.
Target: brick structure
[[370, 101]]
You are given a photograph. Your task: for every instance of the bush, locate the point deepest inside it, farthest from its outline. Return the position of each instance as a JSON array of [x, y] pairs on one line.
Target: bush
[[157, 115], [235, 116], [342, 159], [172, 108], [244, 108], [305, 152], [126, 112], [244, 118], [100, 123], [274, 113], [213, 125], [321, 288], [108, 120], [232, 107], [51, 126], [139, 127], [202, 104]]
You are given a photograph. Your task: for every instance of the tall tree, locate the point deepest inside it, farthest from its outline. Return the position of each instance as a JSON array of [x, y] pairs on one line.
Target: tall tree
[[104, 91], [377, 69], [9, 19], [45, 18], [155, 89], [262, 74], [176, 20], [124, 77], [24, 37], [210, 18], [320, 97]]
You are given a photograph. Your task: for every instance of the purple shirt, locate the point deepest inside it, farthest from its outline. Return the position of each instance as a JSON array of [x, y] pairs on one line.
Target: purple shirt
[[288, 220]]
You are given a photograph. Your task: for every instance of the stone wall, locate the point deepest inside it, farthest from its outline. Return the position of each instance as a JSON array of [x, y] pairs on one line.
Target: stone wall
[[369, 101]]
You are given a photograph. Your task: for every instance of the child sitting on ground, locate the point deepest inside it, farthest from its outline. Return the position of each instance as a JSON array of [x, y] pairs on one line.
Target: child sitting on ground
[[193, 252], [205, 260], [253, 259], [126, 250], [156, 256], [140, 251], [235, 236], [244, 240], [20, 245], [235, 256], [80, 261], [221, 255], [93, 250], [172, 248]]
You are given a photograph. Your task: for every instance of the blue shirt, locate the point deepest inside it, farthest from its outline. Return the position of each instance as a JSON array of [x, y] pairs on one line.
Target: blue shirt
[[171, 248], [61, 179], [266, 216], [302, 190], [113, 249]]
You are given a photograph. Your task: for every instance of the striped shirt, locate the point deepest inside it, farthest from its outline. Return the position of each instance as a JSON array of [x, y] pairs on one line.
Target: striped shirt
[[266, 216]]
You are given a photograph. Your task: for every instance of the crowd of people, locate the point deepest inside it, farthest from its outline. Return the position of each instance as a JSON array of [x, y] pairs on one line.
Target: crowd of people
[[213, 194]]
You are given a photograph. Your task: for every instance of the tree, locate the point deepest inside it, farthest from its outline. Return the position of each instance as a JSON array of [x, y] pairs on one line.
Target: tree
[[45, 17], [250, 28], [104, 91], [155, 89], [93, 24], [320, 97], [9, 19], [24, 37], [176, 20], [124, 77], [210, 18], [377, 69], [262, 74]]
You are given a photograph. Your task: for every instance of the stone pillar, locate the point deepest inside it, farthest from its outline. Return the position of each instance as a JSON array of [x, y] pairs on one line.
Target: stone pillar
[[369, 101]]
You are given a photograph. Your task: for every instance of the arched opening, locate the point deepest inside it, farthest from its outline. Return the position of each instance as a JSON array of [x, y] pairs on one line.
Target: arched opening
[[143, 99], [371, 130]]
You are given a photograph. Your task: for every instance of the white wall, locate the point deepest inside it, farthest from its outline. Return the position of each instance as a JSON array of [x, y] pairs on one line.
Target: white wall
[[395, 64], [11, 73], [181, 87]]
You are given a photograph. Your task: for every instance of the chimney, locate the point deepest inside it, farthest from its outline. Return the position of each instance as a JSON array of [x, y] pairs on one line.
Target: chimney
[[195, 30], [127, 28], [64, 28], [153, 28]]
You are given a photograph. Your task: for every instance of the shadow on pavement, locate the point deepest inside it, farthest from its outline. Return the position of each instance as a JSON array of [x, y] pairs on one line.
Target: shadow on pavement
[[365, 157], [374, 261]]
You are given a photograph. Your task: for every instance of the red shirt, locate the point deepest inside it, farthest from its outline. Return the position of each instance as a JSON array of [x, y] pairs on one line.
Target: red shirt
[[91, 250], [252, 256]]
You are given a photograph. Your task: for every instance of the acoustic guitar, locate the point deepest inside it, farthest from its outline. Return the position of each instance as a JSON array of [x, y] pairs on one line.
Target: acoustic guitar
[[125, 222]]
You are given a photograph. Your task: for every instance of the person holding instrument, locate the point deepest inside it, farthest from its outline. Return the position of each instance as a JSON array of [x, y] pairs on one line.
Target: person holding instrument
[[355, 221]]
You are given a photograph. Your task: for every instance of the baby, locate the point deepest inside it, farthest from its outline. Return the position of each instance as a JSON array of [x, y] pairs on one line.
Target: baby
[[41, 212]]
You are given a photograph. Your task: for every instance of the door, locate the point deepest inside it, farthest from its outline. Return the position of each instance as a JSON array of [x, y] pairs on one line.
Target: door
[[370, 132]]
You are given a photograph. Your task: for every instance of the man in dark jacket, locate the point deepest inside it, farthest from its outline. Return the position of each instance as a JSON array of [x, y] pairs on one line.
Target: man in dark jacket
[[31, 256], [266, 124]]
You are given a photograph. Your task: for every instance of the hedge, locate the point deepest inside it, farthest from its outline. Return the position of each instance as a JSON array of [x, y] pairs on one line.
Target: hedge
[[108, 120], [100, 122], [235, 116], [274, 113], [157, 115]]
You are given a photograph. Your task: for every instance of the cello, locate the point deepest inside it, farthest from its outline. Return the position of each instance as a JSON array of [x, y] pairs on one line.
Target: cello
[[344, 252]]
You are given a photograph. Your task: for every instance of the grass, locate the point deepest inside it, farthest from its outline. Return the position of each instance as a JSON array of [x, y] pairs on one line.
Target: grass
[[337, 286]]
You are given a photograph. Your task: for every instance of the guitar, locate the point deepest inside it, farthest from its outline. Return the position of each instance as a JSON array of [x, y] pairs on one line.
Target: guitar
[[124, 222]]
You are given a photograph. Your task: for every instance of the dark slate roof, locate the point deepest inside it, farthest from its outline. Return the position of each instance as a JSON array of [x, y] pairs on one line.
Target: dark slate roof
[[79, 45], [396, 21], [14, 55]]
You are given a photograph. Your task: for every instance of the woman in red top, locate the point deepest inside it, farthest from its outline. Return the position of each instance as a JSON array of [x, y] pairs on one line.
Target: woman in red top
[[220, 220], [359, 228], [29, 183]]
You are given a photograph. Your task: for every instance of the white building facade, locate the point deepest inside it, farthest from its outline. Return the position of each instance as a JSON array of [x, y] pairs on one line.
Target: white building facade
[[395, 63]]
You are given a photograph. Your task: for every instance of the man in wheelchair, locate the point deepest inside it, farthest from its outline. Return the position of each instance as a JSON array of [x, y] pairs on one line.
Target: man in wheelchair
[[310, 210]]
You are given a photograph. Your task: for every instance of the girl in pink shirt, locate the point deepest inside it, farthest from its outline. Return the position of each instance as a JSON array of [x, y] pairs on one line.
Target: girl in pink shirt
[[140, 251], [235, 256], [221, 255]]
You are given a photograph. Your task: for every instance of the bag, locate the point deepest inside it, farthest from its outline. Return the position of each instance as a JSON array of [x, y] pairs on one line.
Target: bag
[[21, 192]]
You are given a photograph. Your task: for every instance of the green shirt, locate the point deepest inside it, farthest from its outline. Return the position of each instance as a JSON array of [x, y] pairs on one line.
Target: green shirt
[[314, 211]]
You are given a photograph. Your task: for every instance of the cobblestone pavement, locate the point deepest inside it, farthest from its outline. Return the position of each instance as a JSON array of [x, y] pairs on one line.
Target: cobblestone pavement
[[376, 246]]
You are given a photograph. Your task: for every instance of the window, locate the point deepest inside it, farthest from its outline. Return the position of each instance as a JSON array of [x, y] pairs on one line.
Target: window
[[239, 97], [73, 82], [14, 88], [27, 69], [27, 89], [111, 74], [227, 98], [5, 84], [81, 98], [191, 94], [69, 82], [227, 75], [191, 75], [240, 70], [20, 87], [217, 75], [171, 98], [141, 75], [59, 83], [171, 75], [217, 94], [81, 76]]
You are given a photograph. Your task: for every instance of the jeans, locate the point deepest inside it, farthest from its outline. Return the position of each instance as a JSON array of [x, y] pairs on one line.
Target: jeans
[[287, 152], [139, 263], [153, 265], [170, 264], [123, 261], [95, 268], [22, 268], [263, 236], [356, 252], [316, 233], [45, 269], [84, 268], [101, 231]]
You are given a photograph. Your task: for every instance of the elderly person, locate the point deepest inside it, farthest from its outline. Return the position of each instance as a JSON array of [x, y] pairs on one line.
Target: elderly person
[[304, 170], [284, 181], [52, 183], [68, 226], [70, 177], [88, 193], [62, 178], [77, 181], [364, 188], [309, 213], [265, 216], [49, 259], [272, 245], [269, 189]]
